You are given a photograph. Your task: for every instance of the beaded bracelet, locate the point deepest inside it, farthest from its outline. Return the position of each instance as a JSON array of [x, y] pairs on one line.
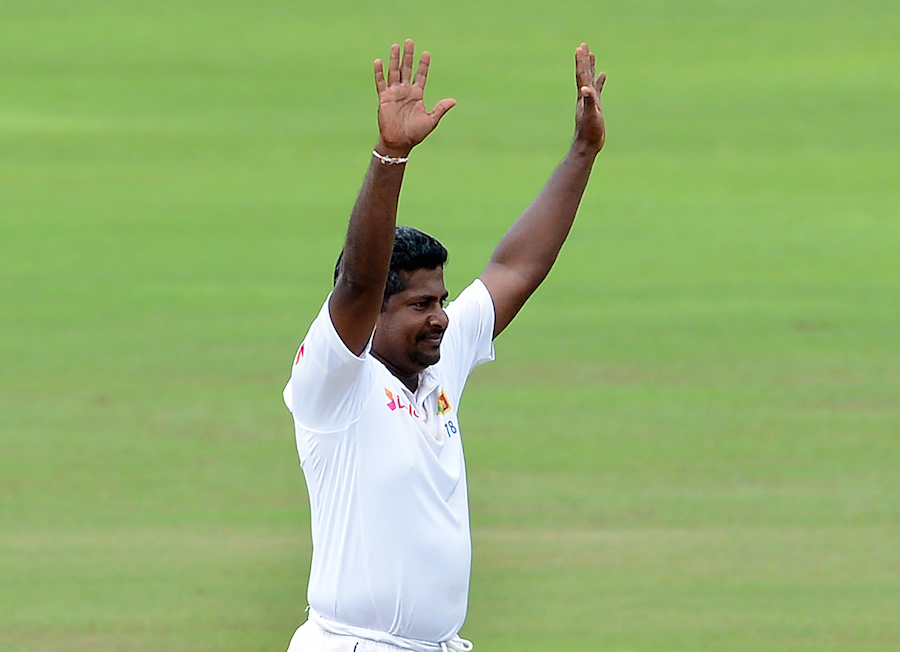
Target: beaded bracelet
[[390, 160]]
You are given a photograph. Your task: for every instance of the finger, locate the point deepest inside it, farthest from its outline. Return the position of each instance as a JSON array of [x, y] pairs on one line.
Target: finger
[[583, 74], [380, 83], [579, 57], [394, 65], [593, 88], [406, 66], [441, 108], [422, 71]]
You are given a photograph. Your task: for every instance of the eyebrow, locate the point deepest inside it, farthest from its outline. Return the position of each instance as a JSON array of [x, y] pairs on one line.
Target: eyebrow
[[429, 297]]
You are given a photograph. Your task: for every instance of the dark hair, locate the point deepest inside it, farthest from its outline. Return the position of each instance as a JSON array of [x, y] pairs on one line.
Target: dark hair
[[413, 250]]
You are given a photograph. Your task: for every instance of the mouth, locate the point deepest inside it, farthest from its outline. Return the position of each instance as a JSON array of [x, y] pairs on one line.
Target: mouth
[[433, 338]]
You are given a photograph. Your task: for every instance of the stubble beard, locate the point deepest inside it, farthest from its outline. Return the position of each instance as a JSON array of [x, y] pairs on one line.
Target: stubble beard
[[426, 353]]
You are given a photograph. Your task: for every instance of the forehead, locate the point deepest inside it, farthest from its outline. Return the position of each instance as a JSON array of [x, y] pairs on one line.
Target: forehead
[[423, 282]]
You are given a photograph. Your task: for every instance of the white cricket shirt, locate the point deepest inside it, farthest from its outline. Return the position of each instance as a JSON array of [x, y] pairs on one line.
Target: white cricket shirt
[[387, 481]]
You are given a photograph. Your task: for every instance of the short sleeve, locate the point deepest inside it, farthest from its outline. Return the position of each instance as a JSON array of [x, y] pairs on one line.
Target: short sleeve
[[468, 341], [327, 385]]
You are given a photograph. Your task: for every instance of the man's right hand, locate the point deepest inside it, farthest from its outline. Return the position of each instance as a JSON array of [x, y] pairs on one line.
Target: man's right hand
[[403, 121]]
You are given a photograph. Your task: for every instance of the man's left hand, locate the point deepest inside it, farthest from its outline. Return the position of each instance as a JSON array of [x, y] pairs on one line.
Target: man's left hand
[[590, 127]]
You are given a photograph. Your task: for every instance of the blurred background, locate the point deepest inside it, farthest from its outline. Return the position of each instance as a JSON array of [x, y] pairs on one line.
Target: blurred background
[[690, 439]]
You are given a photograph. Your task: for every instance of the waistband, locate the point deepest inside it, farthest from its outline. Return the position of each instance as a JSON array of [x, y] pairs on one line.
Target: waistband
[[455, 644]]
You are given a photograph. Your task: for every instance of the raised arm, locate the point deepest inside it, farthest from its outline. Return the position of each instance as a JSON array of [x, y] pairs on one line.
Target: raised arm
[[403, 122], [527, 251]]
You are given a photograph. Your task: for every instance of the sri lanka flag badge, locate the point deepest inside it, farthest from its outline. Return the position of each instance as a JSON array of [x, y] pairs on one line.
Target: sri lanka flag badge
[[443, 404]]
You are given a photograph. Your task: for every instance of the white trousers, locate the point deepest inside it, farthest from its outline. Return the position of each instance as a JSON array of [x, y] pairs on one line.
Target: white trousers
[[309, 637]]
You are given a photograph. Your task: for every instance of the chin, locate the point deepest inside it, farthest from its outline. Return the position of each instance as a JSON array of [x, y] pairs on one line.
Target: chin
[[427, 359]]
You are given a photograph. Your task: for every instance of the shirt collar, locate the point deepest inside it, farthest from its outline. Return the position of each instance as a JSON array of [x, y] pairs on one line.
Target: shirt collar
[[428, 383]]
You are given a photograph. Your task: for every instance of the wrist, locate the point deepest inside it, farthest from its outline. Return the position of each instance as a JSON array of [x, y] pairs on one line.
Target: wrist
[[391, 151], [585, 148]]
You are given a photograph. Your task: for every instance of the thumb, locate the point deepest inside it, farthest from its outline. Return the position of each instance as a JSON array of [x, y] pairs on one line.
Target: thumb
[[588, 94], [442, 107]]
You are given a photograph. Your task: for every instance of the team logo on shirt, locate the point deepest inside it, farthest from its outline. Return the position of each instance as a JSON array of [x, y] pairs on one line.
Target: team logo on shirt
[[300, 353], [396, 403], [443, 404]]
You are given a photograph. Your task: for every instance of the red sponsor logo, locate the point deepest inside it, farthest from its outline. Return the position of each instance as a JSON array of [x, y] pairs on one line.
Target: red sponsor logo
[[395, 402]]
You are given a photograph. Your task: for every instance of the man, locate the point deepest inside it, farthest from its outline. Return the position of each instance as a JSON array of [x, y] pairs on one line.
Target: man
[[377, 383]]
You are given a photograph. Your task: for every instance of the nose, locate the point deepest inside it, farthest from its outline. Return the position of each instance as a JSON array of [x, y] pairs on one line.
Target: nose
[[438, 319]]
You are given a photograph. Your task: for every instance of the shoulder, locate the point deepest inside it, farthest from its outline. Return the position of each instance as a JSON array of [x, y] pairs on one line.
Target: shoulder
[[473, 308], [328, 381], [469, 338], [324, 347]]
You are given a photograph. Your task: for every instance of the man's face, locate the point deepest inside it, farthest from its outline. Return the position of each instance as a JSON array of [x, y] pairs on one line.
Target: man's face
[[409, 329]]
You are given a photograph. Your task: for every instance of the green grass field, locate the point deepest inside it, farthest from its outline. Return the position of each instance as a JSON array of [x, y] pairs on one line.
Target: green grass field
[[690, 440]]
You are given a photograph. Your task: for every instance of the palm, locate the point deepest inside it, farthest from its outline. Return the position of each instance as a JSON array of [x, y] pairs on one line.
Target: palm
[[402, 116]]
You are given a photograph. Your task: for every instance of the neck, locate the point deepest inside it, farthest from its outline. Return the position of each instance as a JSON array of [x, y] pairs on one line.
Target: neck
[[410, 380]]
